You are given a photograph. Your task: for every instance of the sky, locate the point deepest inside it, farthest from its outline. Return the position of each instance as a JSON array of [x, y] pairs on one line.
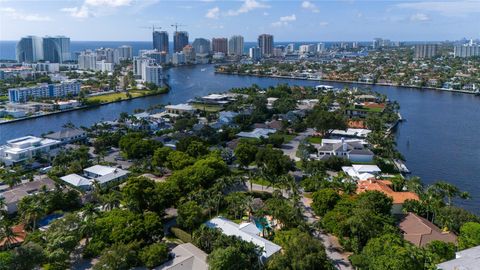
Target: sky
[[287, 20]]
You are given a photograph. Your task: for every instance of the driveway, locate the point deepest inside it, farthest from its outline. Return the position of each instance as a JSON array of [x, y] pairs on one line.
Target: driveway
[[290, 148]]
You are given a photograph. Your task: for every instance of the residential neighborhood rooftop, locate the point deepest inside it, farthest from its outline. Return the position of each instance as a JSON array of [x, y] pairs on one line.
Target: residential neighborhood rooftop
[[419, 231]]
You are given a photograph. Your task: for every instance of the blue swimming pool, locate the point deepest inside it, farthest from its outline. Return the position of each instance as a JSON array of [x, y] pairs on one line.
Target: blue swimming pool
[[48, 219]]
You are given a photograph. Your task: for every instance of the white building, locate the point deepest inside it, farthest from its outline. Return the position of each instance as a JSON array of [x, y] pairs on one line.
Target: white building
[[257, 133], [320, 47], [24, 148], [23, 94], [307, 48], [154, 74], [255, 53], [468, 259], [103, 175], [247, 232], [290, 48], [352, 150], [87, 60], [104, 66], [178, 58], [362, 172], [139, 64], [466, 50]]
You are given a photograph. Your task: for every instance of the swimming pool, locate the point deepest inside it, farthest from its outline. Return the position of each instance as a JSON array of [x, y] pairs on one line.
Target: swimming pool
[[48, 219]]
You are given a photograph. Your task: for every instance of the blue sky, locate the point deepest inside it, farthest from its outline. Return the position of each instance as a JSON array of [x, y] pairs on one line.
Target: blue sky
[[287, 20]]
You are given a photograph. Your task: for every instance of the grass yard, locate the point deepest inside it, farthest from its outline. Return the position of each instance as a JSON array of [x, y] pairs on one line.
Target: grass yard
[[315, 140], [116, 96], [288, 137]]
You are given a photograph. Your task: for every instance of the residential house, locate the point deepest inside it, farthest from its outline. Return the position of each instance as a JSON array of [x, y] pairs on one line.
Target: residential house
[[186, 257], [468, 259], [247, 232], [354, 151], [225, 118], [384, 186], [179, 109], [257, 133], [68, 135], [14, 195], [420, 232], [103, 175], [362, 172], [351, 133], [24, 148], [20, 235]]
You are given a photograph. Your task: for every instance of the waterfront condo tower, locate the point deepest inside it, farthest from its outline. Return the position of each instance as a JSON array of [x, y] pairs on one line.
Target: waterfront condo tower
[[220, 45], [265, 43], [30, 49], [235, 46]]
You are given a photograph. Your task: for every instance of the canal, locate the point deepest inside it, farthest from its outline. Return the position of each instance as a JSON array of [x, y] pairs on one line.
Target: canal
[[439, 139]]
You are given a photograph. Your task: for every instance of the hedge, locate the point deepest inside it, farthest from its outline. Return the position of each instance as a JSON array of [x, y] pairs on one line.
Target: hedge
[[181, 234]]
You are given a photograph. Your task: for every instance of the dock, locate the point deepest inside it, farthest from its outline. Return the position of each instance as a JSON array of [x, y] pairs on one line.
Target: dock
[[401, 166]]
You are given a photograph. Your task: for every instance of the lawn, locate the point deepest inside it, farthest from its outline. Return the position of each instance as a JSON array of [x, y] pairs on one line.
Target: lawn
[[288, 137], [116, 96], [315, 140]]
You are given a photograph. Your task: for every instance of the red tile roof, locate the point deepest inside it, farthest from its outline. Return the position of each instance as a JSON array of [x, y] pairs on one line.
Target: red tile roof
[[420, 231], [384, 187]]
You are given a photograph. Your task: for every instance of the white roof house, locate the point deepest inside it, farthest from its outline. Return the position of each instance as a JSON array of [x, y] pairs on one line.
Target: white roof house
[[257, 133], [247, 232], [187, 257], [362, 172], [351, 132], [20, 149], [179, 109], [468, 259], [99, 173]]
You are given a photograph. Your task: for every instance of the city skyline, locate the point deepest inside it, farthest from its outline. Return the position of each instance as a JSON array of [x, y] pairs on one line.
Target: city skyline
[[286, 20]]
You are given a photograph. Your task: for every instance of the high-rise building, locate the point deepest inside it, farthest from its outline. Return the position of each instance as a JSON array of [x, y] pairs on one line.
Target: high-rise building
[[160, 41], [140, 64], [180, 40], [189, 52], [290, 48], [307, 48], [320, 47], [425, 50], [201, 46], [56, 49], [255, 53], [178, 58], [154, 74], [108, 54], [265, 43], [30, 49], [125, 52], [235, 46], [466, 50], [87, 60], [220, 45]]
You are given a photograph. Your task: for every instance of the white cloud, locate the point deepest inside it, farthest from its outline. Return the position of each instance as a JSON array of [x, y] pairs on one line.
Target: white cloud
[[91, 8], [323, 24], [447, 8], [310, 6], [284, 20], [213, 13], [248, 5], [17, 15], [419, 17]]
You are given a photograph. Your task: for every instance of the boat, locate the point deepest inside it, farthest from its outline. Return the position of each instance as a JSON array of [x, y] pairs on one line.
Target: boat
[[203, 69]]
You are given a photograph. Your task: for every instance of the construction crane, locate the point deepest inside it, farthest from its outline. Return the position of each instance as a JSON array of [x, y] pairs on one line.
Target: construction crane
[[176, 25], [153, 27]]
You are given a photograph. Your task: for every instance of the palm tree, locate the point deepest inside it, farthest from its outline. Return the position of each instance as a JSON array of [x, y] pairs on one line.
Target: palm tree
[[7, 233], [32, 213]]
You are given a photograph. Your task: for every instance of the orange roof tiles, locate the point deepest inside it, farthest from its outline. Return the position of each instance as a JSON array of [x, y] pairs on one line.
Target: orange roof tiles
[[384, 187], [20, 235], [356, 124]]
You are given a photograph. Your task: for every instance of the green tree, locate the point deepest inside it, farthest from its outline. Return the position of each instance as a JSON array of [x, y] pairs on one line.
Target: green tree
[[469, 235], [196, 149], [118, 257], [228, 258], [154, 254], [438, 251], [301, 251], [178, 160], [324, 121], [160, 156], [139, 194], [324, 200], [245, 153], [7, 259], [189, 215]]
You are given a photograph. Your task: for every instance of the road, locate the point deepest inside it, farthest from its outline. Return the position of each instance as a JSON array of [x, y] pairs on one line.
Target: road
[[290, 148], [332, 248]]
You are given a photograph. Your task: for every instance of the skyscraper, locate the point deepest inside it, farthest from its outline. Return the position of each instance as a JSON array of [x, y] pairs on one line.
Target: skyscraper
[[235, 46], [30, 49], [255, 53], [265, 43], [154, 74], [220, 45], [125, 52], [466, 50], [56, 49], [425, 50], [201, 46], [180, 40], [87, 60], [160, 41]]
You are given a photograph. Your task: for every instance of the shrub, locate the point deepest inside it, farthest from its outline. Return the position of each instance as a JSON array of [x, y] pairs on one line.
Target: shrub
[[154, 254], [181, 234]]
